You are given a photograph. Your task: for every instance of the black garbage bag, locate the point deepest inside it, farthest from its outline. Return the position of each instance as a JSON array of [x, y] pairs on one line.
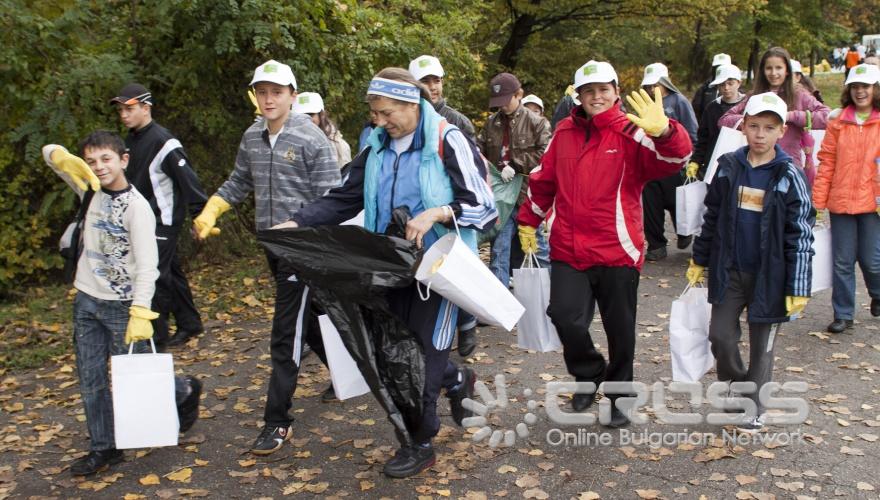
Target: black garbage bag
[[350, 270]]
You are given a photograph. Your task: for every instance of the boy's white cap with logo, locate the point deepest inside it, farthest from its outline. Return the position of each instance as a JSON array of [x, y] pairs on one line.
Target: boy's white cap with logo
[[273, 71], [308, 102], [796, 67], [863, 73], [654, 72], [423, 66], [768, 101], [532, 98], [726, 72], [594, 72], [720, 59]]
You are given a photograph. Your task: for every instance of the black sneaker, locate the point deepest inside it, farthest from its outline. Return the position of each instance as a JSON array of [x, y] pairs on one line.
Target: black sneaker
[[181, 338], [656, 254], [329, 395], [839, 325], [618, 419], [188, 409], [270, 440], [465, 390], [684, 242], [409, 461], [96, 461], [580, 402], [875, 307], [467, 342]]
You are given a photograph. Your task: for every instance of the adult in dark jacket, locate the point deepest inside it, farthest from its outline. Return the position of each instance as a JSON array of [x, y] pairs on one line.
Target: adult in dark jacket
[[727, 81], [160, 170], [707, 92]]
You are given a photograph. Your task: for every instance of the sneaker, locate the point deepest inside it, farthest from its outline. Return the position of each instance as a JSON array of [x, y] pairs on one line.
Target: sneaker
[[839, 325], [465, 390], [580, 402], [656, 254], [181, 338], [684, 242], [752, 425], [96, 461], [618, 419], [409, 461], [188, 409], [329, 395], [467, 342], [270, 439], [875, 307]]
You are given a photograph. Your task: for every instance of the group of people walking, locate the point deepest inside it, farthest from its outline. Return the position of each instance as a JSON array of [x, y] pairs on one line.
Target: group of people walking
[[592, 206]]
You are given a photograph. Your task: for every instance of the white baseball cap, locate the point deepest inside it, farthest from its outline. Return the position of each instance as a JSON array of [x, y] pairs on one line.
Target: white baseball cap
[[863, 73], [654, 72], [274, 72], [308, 102], [423, 66], [594, 72], [768, 101], [532, 98], [726, 72], [796, 67], [720, 59]]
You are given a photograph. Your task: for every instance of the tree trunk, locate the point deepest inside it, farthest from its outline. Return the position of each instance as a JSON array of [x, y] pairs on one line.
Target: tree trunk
[[753, 55], [698, 55], [519, 36]]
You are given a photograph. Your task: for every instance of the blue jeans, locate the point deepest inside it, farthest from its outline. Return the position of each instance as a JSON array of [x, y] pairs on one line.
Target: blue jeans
[[500, 260], [854, 238], [98, 333]]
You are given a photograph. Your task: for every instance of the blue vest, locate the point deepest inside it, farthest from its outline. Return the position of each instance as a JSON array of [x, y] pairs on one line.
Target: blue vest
[[434, 182]]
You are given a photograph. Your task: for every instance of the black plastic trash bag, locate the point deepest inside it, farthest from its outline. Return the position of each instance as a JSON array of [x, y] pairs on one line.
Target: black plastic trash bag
[[349, 269]]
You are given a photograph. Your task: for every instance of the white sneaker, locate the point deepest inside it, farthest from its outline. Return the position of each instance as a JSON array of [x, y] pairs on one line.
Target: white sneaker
[[752, 425]]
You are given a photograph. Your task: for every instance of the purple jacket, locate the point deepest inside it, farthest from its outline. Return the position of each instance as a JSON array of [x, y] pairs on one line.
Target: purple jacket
[[796, 121]]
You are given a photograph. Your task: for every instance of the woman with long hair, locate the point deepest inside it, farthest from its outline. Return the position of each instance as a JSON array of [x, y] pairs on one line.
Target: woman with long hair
[[312, 104]]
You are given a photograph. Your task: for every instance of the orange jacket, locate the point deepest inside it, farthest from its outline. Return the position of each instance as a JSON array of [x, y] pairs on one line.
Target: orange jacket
[[849, 160], [852, 59]]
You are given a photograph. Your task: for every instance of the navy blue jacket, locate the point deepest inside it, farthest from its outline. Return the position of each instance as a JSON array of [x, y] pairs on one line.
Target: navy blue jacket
[[786, 236]]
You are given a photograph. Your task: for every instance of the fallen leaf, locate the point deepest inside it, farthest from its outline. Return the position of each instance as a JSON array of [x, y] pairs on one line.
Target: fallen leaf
[[793, 486], [527, 481], [763, 454], [846, 450], [504, 469], [181, 476], [588, 495], [648, 494], [864, 486], [536, 493], [621, 468], [317, 487], [744, 480], [149, 479], [717, 477]]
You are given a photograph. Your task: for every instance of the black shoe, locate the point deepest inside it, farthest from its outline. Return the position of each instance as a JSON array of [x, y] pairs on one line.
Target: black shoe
[[875, 307], [183, 337], [656, 254], [580, 402], [839, 325], [409, 461], [188, 409], [270, 440], [467, 342], [465, 390], [618, 419], [96, 461], [329, 395], [684, 242]]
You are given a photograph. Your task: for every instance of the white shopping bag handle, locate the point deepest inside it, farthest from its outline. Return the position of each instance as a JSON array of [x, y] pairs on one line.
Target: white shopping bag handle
[[427, 294], [530, 261], [131, 346]]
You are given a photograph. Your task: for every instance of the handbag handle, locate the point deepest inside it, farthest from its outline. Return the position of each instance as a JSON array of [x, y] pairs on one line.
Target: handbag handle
[[131, 346], [530, 261]]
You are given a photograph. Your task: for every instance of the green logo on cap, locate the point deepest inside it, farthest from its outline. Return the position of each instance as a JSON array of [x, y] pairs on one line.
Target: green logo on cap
[[649, 70], [424, 62], [270, 68], [770, 99], [303, 99], [589, 70], [861, 71]]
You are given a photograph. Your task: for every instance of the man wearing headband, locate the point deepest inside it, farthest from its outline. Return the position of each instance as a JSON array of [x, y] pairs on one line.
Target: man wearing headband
[[160, 170], [287, 161], [415, 159]]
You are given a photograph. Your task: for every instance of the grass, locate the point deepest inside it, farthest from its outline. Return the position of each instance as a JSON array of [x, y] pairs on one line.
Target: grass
[[35, 327], [830, 85]]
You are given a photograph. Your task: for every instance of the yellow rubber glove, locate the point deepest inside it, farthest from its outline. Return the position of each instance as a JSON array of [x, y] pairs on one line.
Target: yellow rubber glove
[[652, 119], [528, 240], [76, 168], [820, 215], [253, 98], [695, 273], [139, 326], [206, 220], [692, 169], [795, 305]]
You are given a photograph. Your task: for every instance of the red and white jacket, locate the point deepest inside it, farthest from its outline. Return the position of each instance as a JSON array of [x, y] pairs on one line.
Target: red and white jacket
[[591, 179]]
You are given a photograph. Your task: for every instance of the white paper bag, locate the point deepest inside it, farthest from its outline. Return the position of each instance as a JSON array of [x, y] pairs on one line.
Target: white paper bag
[[144, 409], [689, 335], [690, 207], [465, 281], [534, 330], [344, 372], [729, 139], [822, 263]]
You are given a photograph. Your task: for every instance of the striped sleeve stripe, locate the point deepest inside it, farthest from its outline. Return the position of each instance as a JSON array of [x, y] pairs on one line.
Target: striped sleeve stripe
[[801, 286], [485, 209], [535, 208], [642, 138], [444, 328], [163, 186]]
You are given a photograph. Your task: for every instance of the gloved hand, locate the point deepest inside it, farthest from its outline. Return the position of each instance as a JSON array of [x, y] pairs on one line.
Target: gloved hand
[[253, 98], [652, 119], [692, 169], [76, 168], [820, 215], [694, 273], [205, 222], [507, 173], [139, 326], [795, 305], [528, 240]]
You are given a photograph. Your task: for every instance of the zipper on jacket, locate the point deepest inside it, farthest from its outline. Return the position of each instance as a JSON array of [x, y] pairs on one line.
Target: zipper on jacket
[[394, 180]]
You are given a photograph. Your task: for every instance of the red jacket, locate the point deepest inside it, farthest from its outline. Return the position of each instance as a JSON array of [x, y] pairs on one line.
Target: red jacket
[[592, 176]]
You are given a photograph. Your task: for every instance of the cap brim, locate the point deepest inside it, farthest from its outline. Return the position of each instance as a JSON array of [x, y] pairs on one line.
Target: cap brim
[[651, 80], [124, 100], [499, 101]]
